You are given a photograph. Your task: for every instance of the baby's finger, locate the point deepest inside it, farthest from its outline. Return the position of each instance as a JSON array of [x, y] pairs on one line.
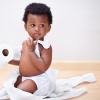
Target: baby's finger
[[28, 41], [35, 42], [31, 41]]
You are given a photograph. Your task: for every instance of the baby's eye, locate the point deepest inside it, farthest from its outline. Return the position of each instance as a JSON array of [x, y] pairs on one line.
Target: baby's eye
[[33, 25], [41, 25]]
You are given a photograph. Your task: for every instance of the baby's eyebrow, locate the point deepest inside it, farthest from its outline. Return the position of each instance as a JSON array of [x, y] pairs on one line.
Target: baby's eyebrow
[[42, 23]]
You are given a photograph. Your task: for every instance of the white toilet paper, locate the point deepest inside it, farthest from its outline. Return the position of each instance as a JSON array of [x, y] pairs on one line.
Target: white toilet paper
[[6, 54]]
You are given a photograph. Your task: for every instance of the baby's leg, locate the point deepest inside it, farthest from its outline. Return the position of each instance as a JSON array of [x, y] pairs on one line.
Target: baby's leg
[[28, 86], [19, 80]]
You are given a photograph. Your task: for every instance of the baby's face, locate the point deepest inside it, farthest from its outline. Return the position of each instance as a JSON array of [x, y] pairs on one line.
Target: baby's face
[[37, 26]]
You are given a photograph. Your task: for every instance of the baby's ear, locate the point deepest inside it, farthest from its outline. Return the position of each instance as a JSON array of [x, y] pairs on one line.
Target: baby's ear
[[25, 27], [49, 27]]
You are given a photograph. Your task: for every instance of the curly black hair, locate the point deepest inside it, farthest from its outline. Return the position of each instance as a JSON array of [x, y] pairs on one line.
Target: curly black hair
[[38, 9]]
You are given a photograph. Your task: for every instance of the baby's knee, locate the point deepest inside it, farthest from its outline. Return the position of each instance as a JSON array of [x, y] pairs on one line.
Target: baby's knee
[[28, 86]]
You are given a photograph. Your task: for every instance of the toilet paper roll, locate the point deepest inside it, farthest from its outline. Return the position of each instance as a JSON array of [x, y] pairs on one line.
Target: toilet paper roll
[[6, 54]]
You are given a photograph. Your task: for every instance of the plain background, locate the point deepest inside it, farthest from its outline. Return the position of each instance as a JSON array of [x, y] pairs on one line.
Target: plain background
[[75, 32]]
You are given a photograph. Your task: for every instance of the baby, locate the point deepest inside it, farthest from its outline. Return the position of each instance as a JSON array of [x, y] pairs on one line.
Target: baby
[[35, 60]]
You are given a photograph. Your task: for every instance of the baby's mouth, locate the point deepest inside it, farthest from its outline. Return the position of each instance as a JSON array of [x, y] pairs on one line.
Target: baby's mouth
[[36, 36]]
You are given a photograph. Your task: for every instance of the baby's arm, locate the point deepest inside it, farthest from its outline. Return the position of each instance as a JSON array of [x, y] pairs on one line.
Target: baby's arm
[[14, 62], [30, 64], [16, 58]]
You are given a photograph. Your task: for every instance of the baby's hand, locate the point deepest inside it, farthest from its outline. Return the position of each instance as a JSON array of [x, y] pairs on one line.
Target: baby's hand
[[28, 45]]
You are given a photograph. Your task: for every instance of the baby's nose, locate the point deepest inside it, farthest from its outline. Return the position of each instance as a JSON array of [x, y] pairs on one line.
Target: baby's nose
[[36, 28]]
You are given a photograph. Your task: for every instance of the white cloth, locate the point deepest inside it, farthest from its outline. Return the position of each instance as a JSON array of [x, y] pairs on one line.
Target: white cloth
[[64, 89], [45, 80]]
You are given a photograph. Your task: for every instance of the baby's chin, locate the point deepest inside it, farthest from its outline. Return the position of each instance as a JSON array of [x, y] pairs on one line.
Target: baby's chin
[[34, 39], [41, 39]]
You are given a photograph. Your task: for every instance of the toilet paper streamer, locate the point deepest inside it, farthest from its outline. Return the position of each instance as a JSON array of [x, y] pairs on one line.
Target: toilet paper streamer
[[5, 58]]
